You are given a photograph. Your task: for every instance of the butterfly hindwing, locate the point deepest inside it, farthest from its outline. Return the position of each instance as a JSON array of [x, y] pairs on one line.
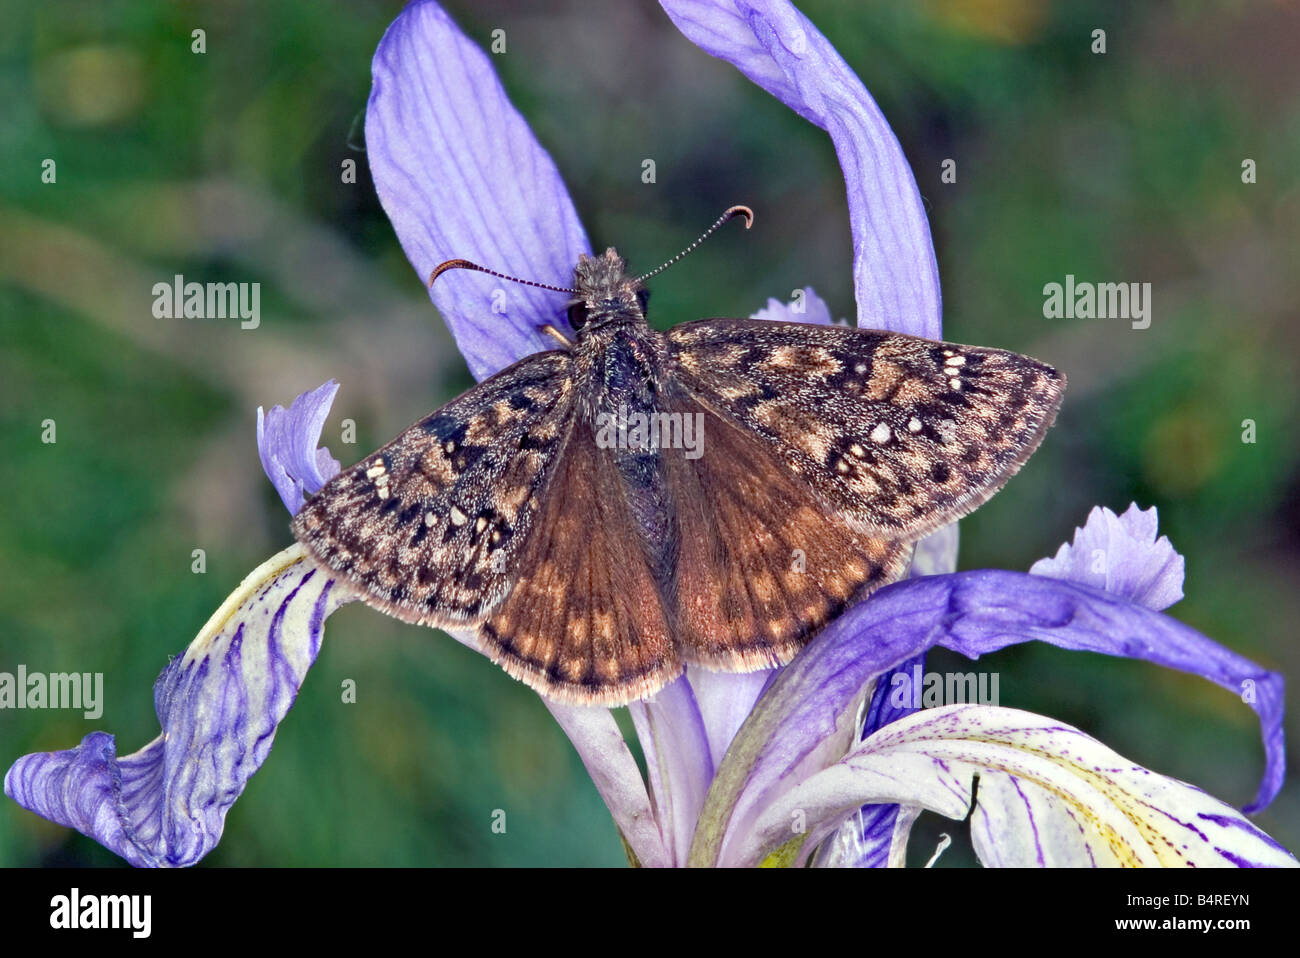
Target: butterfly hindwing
[[430, 526], [762, 563], [897, 434], [585, 621]]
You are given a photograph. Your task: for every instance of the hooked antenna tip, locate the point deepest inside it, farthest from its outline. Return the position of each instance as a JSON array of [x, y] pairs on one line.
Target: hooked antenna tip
[[744, 211]]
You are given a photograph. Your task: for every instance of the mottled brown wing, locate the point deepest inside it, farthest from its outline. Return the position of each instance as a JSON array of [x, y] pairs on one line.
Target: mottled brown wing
[[585, 621], [898, 434], [762, 563], [430, 527]]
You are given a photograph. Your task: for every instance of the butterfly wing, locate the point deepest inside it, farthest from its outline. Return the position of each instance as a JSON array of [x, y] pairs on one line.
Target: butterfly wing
[[826, 451], [585, 621], [499, 513], [762, 563], [897, 434], [429, 528]]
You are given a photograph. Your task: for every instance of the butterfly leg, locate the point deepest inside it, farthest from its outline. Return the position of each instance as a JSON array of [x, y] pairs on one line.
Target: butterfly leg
[[554, 333]]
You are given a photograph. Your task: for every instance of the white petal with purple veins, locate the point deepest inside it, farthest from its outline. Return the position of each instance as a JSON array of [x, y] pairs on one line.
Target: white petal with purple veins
[[1048, 795], [219, 704]]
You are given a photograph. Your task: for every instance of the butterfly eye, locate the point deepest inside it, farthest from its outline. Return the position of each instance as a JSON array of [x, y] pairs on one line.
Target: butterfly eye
[[643, 299], [578, 315]]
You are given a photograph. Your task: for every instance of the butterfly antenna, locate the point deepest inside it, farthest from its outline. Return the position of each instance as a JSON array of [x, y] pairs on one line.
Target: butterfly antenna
[[466, 264], [735, 211]]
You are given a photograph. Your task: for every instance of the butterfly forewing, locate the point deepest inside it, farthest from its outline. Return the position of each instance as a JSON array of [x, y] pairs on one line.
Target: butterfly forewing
[[430, 527], [898, 435]]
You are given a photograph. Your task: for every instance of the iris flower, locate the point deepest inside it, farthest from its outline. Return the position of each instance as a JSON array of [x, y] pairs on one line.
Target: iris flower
[[810, 763]]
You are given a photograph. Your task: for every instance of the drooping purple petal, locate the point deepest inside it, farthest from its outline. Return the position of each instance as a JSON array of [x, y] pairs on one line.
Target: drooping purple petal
[[1120, 555], [219, 704], [968, 612], [981, 614], [895, 274], [461, 176], [808, 308], [287, 442], [671, 731], [1049, 795]]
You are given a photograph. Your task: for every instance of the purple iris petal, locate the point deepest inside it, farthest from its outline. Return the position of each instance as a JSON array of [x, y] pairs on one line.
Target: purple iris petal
[[1049, 795], [894, 270], [461, 176], [725, 700], [874, 825], [936, 554], [1120, 555], [671, 731], [287, 444], [219, 705], [895, 273], [972, 613], [989, 609], [600, 744], [866, 839]]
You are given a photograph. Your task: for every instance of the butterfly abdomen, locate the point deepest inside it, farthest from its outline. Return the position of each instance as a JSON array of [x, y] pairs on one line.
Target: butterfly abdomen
[[630, 426]]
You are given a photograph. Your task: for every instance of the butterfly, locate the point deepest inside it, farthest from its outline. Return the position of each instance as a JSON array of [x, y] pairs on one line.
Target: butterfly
[[601, 514]]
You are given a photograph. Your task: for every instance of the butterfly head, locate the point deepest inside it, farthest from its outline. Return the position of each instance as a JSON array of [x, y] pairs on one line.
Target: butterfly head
[[605, 293]]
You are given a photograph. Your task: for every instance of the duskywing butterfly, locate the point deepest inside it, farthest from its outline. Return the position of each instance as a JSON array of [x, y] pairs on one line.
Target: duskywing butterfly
[[603, 513]]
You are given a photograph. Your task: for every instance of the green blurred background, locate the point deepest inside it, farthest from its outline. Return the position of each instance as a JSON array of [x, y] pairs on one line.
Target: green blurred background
[[226, 166]]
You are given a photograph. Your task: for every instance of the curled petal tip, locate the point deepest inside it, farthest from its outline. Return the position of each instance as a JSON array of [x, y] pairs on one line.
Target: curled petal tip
[[288, 445]]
